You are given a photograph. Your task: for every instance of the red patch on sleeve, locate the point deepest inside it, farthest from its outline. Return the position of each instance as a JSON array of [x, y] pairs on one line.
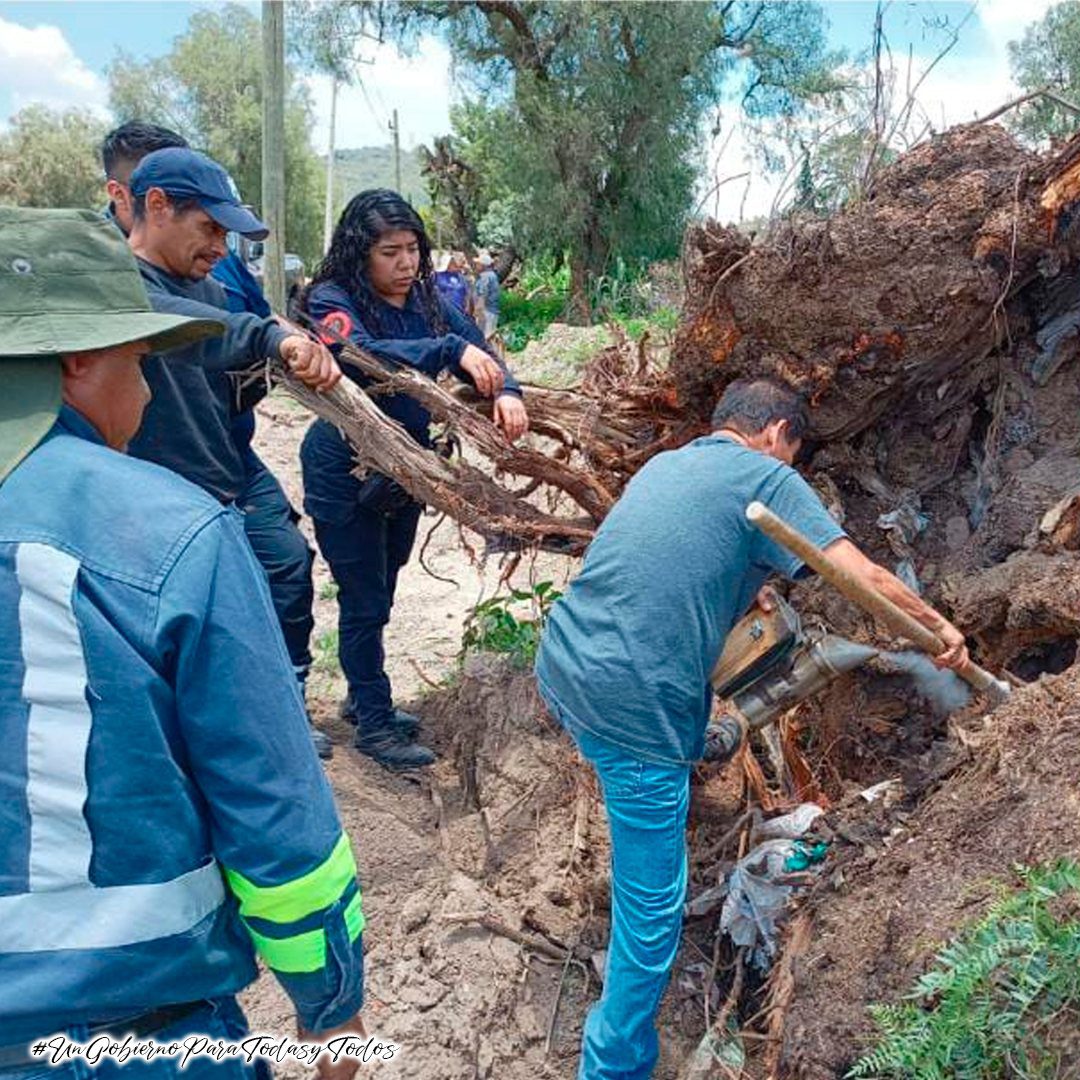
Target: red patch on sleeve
[[338, 324]]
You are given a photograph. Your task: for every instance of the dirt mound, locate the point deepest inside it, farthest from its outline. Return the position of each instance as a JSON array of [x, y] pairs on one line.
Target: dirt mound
[[920, 875], [469, 968], [904, 290]]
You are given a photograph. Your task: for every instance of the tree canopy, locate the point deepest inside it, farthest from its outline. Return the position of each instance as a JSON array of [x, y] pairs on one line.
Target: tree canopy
[[209, 88], [1048, 56], [51, 158], [593, 115]]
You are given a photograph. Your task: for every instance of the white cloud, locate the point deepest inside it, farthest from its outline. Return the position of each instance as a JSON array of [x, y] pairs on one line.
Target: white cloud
[[419, 87], [37, 64]]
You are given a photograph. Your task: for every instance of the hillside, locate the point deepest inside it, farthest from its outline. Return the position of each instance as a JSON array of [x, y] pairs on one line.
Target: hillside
[[373, 166]]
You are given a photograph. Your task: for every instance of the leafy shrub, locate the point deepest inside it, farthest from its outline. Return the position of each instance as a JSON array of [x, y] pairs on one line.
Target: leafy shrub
[[523, 319], [494, 628], [661, 321], [994, 994]]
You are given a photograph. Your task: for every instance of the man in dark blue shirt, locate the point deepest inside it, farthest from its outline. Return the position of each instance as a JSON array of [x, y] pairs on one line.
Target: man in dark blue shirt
[[183, 206], [625, 662]]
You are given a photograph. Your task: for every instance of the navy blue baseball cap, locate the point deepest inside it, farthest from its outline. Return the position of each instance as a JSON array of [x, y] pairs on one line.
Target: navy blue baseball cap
[[186, 174]]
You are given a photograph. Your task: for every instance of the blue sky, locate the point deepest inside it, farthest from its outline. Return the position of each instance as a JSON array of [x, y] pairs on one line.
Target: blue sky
[[57, 53]]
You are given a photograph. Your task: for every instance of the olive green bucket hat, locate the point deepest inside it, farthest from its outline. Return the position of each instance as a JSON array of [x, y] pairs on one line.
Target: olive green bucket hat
[[68, 283]]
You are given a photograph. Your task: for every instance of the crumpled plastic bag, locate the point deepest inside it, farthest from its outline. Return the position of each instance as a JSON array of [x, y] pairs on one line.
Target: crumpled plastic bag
[[758, 886]]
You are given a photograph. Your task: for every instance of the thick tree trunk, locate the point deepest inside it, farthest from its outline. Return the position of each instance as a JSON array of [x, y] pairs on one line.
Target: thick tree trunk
[[578, 309]]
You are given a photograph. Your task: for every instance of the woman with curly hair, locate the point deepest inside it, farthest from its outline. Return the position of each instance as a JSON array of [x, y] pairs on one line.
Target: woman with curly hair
[[376, 288]]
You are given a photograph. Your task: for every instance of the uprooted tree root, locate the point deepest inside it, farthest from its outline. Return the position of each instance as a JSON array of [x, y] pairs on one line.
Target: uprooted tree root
[[595, 440], [935, 326]]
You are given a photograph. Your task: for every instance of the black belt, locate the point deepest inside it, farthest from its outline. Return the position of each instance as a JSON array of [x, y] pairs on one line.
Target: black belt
[[18, 1056]]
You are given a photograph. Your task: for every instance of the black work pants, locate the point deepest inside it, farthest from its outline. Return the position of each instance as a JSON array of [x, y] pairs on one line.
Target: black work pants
[[270, 523], [365, 552]]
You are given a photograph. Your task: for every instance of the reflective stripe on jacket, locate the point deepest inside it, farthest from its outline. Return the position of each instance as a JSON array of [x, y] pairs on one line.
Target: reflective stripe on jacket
[[161, 807]]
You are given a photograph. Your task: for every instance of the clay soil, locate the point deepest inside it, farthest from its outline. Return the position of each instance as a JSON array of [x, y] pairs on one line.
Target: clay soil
[[912, 877]]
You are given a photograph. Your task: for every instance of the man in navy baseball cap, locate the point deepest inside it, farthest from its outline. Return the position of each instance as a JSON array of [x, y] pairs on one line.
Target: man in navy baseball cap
[[186, 175], [183, 208]]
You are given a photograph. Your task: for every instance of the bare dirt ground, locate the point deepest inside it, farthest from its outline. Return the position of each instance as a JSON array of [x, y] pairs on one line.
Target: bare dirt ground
[[458, 1000]]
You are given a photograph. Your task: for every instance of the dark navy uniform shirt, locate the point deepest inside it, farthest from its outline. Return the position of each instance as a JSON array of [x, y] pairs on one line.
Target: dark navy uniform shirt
[[402, 336], [188, 425]]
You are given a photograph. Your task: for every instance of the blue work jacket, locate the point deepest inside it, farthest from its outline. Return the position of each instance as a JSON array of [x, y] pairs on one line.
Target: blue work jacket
[[402, 336], [187, 427], [162, 811]]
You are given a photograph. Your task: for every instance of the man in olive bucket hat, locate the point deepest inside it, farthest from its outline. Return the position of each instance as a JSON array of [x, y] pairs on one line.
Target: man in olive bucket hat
[[142, 793]]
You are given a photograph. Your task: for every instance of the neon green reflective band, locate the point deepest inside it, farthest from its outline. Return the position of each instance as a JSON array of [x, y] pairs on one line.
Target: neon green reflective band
[[294, 900], [305, 952]]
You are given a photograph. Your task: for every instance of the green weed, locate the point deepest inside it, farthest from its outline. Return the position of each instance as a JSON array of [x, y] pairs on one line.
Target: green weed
[[995, 994], [328, 590], [493, 627], [325, 653]]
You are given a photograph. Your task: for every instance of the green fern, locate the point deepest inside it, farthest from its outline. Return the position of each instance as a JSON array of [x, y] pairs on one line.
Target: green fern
[[984, 1009]]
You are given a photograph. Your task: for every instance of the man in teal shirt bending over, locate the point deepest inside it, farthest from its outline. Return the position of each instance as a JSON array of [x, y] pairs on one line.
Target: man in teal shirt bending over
[[625, 661]]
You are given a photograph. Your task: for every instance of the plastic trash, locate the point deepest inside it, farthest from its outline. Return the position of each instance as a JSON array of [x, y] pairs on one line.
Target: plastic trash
[[758, 886]]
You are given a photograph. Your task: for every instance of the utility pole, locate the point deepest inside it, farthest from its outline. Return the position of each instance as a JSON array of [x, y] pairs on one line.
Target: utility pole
[[328, 220], [396, 129], [273, 151]]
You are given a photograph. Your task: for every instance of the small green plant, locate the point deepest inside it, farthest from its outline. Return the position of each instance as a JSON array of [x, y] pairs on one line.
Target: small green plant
[[994, 995], [494, 628], [328, 590], [325, 657]]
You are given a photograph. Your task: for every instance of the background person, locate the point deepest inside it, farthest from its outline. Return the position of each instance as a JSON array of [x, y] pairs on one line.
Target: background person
[[143, 795], [625, 659], [183, 206], [375, 288], [452, 283], [487, 291]]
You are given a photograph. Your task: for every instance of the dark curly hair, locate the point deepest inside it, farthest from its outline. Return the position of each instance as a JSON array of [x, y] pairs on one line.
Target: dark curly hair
[[367, 217]]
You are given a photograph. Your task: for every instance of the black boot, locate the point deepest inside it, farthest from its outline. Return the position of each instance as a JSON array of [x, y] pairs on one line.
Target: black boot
[[323, 746], [383, 743], [405, 724]]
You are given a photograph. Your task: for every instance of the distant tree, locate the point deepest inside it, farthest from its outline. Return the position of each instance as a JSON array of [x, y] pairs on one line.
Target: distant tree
[[209, 88], [50, 158], [1048, 56], [600, 137]]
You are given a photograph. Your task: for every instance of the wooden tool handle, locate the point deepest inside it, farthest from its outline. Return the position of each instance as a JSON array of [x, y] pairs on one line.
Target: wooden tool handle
[[898, 620]]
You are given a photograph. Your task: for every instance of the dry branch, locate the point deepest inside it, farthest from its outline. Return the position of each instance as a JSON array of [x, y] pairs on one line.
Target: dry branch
[[464, 492], [624, 416], [497, 926], [583, 488]]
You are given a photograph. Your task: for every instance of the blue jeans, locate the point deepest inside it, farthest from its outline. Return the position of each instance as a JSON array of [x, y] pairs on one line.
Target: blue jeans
[[646, 806], [220, 1019], [270, 526]]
